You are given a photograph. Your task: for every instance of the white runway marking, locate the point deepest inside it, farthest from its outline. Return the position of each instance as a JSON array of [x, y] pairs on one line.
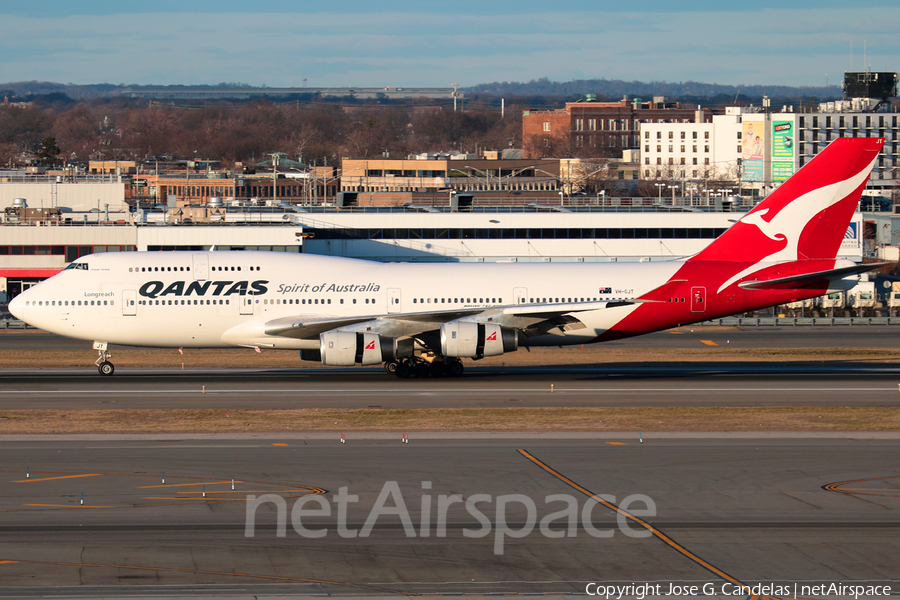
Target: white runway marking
[[446, 391]]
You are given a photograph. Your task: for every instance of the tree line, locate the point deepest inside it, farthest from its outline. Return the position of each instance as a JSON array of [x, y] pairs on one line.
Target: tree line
[[314, 133]]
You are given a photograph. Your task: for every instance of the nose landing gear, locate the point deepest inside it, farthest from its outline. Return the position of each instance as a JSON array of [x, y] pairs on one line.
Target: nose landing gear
[[105, 367]]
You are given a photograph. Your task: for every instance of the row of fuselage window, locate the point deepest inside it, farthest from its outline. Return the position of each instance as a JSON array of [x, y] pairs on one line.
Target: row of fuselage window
[[220, 301], [113, 302], [435, 300], [446, 300], [500, 300], [182, 302], [70, 303], [169, 269]]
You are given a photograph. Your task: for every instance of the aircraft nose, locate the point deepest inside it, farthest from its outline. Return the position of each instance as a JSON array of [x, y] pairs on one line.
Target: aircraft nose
[[17, 307]]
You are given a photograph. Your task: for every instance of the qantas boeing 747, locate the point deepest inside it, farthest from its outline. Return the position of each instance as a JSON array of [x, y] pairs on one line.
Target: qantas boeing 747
[[421, 319]]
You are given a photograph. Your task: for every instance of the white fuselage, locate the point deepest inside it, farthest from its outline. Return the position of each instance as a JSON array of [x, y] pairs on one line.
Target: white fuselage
[[222, 299]]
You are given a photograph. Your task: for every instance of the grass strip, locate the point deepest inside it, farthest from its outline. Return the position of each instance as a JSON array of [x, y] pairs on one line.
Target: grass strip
[[626, 419]]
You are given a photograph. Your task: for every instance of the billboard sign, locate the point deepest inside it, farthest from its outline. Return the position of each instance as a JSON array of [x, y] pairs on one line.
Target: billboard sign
[[851, 247], [753, 149], [782, 150]]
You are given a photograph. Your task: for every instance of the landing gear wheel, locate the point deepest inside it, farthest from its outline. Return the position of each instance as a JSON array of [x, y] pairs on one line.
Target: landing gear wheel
[[106, 368], [421, 370], [390, 367], [455, 368], [403, 370], [437, 369]]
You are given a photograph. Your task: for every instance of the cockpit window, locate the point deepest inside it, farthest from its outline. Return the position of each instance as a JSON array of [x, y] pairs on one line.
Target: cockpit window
[[77, 265]]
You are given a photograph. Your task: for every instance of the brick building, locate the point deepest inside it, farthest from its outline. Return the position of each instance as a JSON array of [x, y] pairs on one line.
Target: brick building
[[590, 128], [316, 185]]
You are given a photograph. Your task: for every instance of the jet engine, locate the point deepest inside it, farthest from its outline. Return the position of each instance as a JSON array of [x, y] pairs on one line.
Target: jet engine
[[464, 339], [347, 348]]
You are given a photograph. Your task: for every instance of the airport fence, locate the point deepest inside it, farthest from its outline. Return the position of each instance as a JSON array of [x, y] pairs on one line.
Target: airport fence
[[802, 321]]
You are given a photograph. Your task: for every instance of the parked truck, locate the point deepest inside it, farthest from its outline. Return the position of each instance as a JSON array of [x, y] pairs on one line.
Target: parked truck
[[862, 298]]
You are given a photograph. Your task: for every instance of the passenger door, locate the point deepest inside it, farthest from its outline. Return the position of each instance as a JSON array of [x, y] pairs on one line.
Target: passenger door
[[520, 295], [201, 266], [698, 299], [129, 303], [394, 299]]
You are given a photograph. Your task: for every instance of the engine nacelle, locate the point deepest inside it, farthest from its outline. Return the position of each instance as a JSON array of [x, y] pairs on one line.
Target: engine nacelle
[[464, 339], [347, 348]]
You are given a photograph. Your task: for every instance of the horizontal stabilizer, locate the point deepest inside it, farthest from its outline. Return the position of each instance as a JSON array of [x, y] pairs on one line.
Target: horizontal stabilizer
[[810, 279]]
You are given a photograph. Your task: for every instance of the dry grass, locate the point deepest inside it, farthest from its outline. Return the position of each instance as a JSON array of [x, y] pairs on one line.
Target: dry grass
[[523, 420]]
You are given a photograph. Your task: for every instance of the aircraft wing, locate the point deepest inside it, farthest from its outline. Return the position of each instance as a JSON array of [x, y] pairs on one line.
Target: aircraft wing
[[540, 319], [533, 319], [308, 327], [549, 310]]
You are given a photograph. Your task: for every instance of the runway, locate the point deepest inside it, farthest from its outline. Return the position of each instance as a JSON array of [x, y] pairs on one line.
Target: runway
[[688, 509], [663, 384], [818, 383]]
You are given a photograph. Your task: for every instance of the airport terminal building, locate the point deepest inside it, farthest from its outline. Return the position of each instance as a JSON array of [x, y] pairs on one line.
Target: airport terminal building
[[37, 243]]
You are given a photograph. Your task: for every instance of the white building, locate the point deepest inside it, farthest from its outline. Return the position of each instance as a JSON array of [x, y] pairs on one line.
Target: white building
[[97, 198], [849, 119], [760, 149]]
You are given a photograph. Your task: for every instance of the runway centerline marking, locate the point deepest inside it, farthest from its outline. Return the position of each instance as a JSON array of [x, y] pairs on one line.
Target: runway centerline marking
[[70, 505], [168, 485], [244, 492], [653, 530]]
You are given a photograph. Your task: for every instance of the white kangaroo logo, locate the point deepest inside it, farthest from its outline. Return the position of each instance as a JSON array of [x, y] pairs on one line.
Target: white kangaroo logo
[[789, 222], [768, 228]]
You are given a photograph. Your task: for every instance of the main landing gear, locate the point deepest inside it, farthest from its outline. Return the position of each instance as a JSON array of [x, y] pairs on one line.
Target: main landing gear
[[105, 367], [417, 367]]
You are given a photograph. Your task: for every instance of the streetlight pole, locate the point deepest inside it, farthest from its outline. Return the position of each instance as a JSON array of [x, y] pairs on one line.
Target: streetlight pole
[[274, 178], [487, 175]]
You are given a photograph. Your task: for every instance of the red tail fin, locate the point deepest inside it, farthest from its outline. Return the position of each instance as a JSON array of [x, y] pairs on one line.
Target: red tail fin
[[807, 217]]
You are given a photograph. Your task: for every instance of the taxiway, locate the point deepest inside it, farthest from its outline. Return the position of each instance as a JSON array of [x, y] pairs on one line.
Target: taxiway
[[159, 513]]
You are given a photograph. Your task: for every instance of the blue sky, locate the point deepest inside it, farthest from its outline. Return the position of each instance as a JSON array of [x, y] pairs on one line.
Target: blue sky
[[392, 42]]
